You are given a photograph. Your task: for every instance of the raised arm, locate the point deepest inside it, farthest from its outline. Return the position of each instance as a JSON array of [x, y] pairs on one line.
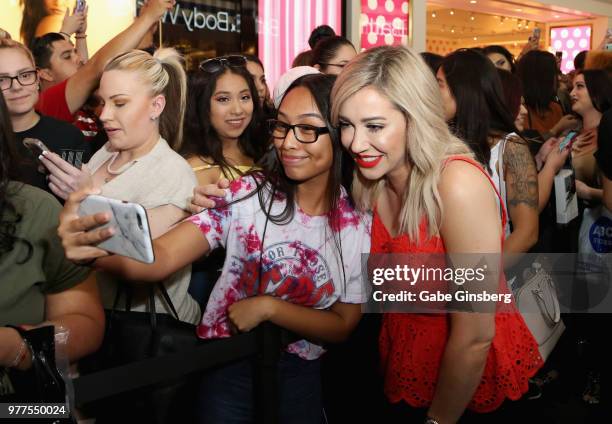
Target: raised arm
[[177, 248], [77, 24], [81, 85], [470, 224]]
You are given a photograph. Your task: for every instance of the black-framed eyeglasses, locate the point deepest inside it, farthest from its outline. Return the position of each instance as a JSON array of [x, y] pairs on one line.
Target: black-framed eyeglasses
[[339, 65], [218, 63], [24, 78], [304, 133]]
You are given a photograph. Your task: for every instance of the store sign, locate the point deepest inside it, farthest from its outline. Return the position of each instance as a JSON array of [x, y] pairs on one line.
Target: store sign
[[199, 16], [383, 22]]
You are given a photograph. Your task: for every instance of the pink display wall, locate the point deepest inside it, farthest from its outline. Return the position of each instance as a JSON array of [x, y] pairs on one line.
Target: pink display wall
[[284, 27], [383, 22], [570, 40]]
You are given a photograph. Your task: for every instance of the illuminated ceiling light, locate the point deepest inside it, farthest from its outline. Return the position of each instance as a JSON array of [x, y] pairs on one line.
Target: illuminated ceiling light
[[518, 10], [475, 38], [433, 14], [452, 11], [472, 17], [453, 30], [557, 16], [473, 2]]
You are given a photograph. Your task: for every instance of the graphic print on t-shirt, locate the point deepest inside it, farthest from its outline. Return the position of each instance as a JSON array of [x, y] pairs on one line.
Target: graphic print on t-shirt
[[291, 271]]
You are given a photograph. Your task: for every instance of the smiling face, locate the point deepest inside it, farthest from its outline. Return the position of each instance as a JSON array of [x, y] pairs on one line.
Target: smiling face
[[260, 80], [231, 106], [581, 99], [373, 130], [303, 162], [20, 99], [450, 105], [128, 108], [500, 61]]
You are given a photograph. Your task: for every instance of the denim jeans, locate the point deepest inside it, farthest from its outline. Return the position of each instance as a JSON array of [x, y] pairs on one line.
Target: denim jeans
[[226, 393]]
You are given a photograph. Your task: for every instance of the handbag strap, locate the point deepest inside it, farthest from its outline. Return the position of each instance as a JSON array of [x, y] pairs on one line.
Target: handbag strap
[[500, 172], [127, 289], [166, 296]]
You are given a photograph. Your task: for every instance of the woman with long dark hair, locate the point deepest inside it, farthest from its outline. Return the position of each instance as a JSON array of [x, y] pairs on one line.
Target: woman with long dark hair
[[501, 57], [591, 98], [39, 286], [331, 54], [294, 244], [222, 120], [477, 112], [539, 74], [41, 17]]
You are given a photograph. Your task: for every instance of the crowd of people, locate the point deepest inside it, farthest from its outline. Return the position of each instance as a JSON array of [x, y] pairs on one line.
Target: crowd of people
[[261, 206]]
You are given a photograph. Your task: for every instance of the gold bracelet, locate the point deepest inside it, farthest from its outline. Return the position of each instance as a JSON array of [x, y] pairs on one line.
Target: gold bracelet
[[80, 36]]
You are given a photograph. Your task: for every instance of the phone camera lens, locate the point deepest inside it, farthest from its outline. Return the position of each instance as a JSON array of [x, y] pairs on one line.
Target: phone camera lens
[[139, 221]]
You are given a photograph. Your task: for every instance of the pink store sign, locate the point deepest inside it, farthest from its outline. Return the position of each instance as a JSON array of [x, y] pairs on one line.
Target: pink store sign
[[284, 27], [570, 40], [383, 22]]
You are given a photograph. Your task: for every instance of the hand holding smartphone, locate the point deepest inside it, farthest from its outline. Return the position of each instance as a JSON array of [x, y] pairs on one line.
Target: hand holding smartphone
[[80, 6], [132, 236], [35, 146]]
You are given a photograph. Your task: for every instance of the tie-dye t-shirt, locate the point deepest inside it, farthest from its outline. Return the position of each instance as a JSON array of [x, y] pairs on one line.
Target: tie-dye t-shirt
[[300, 262]]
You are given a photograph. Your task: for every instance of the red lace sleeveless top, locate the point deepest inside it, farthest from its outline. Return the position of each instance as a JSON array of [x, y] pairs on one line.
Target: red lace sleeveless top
[[411, 345]]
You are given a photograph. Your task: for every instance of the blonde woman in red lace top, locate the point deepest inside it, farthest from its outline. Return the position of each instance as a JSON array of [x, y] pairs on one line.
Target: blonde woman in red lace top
[[428, 196]]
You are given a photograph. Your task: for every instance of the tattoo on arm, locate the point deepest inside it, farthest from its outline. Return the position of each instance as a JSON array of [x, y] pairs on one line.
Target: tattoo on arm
[[521, 175]]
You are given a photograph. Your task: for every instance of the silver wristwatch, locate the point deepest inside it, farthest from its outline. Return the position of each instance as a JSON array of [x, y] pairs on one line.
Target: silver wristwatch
[[430, 420]]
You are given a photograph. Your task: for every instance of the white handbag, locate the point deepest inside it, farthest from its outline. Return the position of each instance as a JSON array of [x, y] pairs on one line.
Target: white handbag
[[536, 299], [537, 302]]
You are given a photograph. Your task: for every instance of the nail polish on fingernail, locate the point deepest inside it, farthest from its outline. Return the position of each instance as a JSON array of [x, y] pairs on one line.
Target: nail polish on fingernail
[[40, 157]]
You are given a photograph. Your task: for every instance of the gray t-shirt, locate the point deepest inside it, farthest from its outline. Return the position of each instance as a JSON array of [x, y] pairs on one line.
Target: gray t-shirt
[[161, 177]]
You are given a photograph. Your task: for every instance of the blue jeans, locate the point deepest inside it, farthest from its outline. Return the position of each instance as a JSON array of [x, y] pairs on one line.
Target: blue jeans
[[226, 393]]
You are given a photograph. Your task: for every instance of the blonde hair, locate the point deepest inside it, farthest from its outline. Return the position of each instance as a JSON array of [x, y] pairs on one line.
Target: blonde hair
[[7, 43], [164, 72], [404, 79]]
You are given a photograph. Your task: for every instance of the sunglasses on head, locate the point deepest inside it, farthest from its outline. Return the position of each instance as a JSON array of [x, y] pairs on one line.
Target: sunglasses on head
[[218, 63]]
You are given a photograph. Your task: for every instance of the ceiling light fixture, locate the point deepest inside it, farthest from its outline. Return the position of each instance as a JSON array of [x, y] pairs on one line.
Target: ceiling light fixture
[[433, 14], [473, 2], [472, 17], [475, 38], [453, 30], [452, 11]]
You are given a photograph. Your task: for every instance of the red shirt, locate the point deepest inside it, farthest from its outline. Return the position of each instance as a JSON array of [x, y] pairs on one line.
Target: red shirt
[[411, 345], [52, 102]]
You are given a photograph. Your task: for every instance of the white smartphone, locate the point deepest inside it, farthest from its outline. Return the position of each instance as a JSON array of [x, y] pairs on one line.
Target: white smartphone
[[132, 236], [536, 33]]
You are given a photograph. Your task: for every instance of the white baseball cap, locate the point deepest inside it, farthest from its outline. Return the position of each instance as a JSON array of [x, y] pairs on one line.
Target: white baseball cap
[[288, 78]]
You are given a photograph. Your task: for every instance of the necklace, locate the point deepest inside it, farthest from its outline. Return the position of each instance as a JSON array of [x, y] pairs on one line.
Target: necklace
[[119, 171]]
